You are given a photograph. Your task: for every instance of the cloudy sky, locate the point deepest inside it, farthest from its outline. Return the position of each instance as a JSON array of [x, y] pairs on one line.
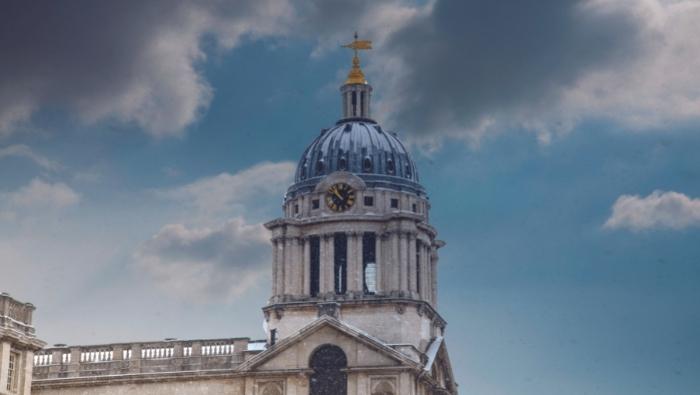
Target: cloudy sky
[[143, 144]]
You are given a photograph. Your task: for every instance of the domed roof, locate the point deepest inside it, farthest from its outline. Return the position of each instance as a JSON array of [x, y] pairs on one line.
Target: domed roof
[[358, 146]]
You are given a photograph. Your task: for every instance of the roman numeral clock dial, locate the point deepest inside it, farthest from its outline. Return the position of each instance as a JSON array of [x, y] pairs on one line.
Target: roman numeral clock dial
[[340, 197]]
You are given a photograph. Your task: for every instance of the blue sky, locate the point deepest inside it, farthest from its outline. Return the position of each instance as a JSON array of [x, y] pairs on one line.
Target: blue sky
[[558, 141]]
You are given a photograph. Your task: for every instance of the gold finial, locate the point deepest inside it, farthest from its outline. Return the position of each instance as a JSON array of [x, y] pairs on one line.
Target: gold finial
[[356, 76]]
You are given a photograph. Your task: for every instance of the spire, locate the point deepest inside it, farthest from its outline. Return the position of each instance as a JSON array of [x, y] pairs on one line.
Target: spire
[[356, 92], [356, 76]]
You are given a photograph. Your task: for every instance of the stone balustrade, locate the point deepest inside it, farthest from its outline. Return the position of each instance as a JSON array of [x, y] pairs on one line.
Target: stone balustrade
[[15, 315], [168, 356]]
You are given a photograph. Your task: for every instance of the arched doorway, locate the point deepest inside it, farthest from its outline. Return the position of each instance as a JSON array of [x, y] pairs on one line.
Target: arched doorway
[[328, 378]]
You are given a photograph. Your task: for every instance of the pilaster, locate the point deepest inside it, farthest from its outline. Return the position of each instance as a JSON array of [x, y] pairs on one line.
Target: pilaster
[[306, 259]]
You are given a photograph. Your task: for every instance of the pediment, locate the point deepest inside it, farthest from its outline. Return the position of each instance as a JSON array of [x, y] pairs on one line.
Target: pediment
[[294, 352]]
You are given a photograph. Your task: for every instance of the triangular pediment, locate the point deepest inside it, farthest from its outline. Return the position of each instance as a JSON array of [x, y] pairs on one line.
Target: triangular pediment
[[294, 352]]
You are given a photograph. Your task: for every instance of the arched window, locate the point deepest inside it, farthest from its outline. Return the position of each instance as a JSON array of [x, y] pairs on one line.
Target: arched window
[[383, 387], [408, 171], [272, 389], [328, 378], [342, 163], [320, 167]]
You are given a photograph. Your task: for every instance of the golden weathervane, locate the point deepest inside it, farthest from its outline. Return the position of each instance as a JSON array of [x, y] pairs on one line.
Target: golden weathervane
[[356, 76]]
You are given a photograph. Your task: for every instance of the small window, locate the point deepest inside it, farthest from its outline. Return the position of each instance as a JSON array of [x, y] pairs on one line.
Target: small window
[[415, 208], [302, 172], [320, 166], [390, 166], [394, 203], [367, 164], [342, 163], [296, 208], [315, 204], [369, 201], [273, 337], [408, 171]]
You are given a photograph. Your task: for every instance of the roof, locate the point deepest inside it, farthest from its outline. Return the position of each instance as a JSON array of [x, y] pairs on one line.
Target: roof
[[359, 146]]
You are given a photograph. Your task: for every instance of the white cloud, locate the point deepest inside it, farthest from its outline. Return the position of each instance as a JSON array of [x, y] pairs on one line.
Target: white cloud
[[234, 193], [206, 263], [41, 194], [658, 210], [203, 256], [24, 151]]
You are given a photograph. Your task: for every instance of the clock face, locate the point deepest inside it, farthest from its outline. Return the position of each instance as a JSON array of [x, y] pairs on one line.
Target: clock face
[[340, 197]]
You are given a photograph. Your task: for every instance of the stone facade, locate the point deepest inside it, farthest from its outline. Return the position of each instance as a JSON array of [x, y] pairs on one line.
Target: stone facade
[[18, 343], [353, 305]]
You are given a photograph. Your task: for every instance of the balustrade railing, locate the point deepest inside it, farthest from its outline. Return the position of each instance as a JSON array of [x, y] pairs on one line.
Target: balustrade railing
[[15, 315], [138, 358]]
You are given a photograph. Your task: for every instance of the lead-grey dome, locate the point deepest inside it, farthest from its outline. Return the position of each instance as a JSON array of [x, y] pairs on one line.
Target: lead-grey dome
[[362, 147]]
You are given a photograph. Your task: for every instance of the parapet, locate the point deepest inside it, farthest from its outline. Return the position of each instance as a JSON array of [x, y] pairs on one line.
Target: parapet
[[147, 358], [16, 322]]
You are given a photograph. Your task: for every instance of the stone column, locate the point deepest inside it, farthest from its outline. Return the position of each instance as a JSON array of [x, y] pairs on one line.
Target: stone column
[[274, 268], [354, 263], [279, 264], [378, 261], [395, 263], [25, 374], [412, 278], [287, 266], [298, 266], [403, 262], [306, 259], [425, 272], [5, 348], [434, 274], [326, 264]]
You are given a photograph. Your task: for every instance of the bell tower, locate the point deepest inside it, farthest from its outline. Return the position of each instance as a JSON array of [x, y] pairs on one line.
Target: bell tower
[[355, 241]]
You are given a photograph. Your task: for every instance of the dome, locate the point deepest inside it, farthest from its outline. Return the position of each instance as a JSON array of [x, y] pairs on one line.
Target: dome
[[361, 147]]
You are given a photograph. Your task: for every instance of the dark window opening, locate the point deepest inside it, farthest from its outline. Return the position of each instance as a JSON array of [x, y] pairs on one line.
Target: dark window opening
[[367, 164], [273, 337], [408, 171], [369, 201], [394, 203], [315, 204], [342, 163], [320, 166], [390, 166], [415, 208], [329, 377], [369, 263], [340, 272], [296, 209], [362, 102], [314, 265], [354, 104]]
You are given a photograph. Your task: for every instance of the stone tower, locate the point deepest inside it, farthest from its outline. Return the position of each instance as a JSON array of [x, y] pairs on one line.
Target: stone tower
[[17, 346], [355, 241]]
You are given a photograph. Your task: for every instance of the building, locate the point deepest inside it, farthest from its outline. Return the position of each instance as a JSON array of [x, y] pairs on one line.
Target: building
[[353, 308]]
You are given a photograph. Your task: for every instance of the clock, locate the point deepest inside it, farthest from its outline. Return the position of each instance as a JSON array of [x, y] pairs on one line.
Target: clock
[[340, 197]]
